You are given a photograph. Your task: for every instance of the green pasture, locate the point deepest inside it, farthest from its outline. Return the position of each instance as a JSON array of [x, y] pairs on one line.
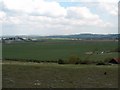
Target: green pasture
[[52, 75], [53, 50]]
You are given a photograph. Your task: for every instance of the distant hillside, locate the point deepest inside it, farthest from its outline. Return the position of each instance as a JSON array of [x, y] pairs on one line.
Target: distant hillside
[[75, 36], [88, 36]]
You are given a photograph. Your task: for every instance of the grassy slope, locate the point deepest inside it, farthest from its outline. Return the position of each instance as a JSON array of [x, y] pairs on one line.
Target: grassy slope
[[33, 75], [0, 50], [58, 49]]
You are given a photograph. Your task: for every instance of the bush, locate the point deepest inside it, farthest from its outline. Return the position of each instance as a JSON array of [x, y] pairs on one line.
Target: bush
[[116, 49], [85, 62], [60, 61], [107, 59], [73, 60], [101, 63]]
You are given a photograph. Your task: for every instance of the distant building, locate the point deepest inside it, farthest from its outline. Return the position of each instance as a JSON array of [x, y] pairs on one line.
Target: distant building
[[16, 39], [89, 53]]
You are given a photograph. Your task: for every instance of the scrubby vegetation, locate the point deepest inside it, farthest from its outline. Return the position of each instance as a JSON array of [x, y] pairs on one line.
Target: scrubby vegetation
[[73, 60], [60, 61]]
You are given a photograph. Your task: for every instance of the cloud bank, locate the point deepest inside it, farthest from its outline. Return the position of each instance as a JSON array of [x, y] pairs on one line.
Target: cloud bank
[[42, 17]]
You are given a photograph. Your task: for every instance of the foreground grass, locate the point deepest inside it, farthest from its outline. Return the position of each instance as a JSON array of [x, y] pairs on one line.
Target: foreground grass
[[51, 75]]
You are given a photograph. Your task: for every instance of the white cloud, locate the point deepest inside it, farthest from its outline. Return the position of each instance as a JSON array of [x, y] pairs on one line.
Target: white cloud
[[83, 16], [111, 6], [108, 1], [15, 20], [36, 7], [41, 12], [49, 9], [81, 12], [39, 16], [19, 5], [2, 16]]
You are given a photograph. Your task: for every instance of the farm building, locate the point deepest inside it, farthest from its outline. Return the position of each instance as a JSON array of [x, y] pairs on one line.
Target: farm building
[[115, 61]]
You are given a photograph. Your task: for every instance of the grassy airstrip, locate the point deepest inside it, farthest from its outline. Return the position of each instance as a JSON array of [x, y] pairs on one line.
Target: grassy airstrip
[[17, 74]]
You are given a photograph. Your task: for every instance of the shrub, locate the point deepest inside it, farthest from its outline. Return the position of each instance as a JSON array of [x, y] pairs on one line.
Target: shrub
[[60, 61], [73, 60], [85, 62], [100, 63], [107, 59], [117, 49]]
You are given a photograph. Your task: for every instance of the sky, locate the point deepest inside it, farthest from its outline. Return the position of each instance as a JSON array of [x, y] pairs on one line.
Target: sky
[[58, 17]]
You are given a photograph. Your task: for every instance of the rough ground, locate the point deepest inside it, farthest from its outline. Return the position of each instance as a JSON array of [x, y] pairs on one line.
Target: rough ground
[[51, 75]]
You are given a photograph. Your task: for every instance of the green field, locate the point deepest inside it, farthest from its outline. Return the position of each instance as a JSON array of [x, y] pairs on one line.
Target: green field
[[51, 75], [16, 74], [52, 50]]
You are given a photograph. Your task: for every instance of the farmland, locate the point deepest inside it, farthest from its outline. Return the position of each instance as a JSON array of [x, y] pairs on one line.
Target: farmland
[[52, 50], [49, 74]]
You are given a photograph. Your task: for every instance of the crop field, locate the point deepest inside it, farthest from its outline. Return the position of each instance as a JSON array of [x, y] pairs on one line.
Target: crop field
[[51, 75], [52, 50], [17, 74]]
